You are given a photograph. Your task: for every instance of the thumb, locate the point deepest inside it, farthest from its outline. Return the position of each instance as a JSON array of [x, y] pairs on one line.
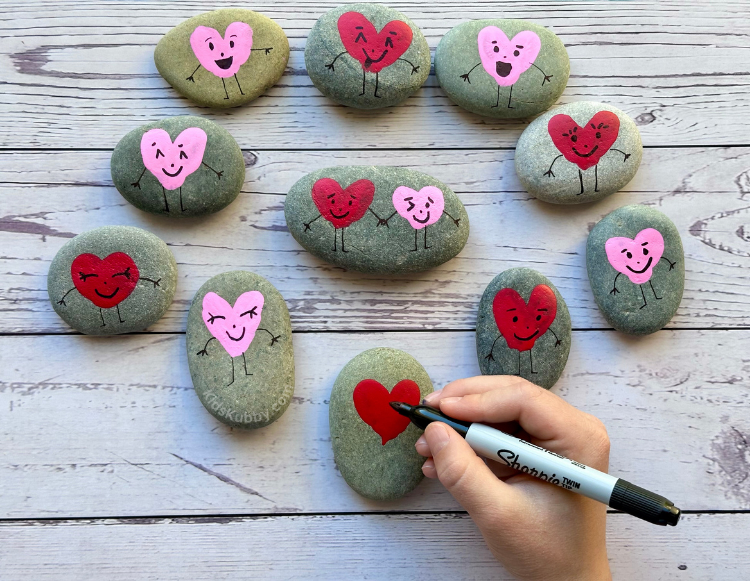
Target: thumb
[[465, 474]]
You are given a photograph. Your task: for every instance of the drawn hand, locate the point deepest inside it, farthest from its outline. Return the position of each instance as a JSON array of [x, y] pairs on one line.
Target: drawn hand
[[456, 221], [136, 184], [414, 69], [268, 50], [330, 67], [671, 264], [549, 173], [202, 352], [191, 79], [219, 174], [547, 79], [62, 302], [558, 342], [383, 222], [307, 226], [466, 78], [490, 357], [614, 291], [275, 339]]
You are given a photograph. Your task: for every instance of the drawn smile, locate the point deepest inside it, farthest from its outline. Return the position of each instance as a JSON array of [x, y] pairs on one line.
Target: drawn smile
[[224, 63], [339, 217], [172, 174], [113, 293], [645, 268], [529, 338], [371, 61], [238, 338], [503, 69], [427, 219], [589, 154]]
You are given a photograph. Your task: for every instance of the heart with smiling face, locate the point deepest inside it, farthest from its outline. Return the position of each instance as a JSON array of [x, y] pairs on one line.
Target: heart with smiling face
[[342, 206], [521, 323], [233, 326], [374, 50], [222, 56], [584, 146], [505, 60], [420, 208], [171, 162], [636, 257], [106, 282], [373, 404]]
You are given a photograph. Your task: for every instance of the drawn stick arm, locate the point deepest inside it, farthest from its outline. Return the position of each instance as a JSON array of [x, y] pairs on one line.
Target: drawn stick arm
[[671, 264], [490, 356], [268, 49], [62, 300], [626, 155], [614, 290], [137, 184], [330, 66], [151, 280], [203, 351], [465, 76], [549, 172], [307, 224], [190, 78], [218, 173], [557, 339], [414, 69], [274, 338], [455, 220], [546, 76]]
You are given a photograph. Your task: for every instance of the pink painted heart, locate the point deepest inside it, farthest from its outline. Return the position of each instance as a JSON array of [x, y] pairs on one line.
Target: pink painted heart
[[636, 257], [222, 56], [420, 208], [171, 162], [233, 326], [505, 60]]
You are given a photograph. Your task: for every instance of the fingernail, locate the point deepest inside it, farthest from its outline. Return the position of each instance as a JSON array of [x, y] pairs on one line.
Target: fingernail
[[439, 437], [428, 466], [450, 400], [432, 396], [423, 448]]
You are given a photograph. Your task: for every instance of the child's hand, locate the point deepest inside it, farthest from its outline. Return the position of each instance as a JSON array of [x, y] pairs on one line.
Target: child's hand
[[535, 529]]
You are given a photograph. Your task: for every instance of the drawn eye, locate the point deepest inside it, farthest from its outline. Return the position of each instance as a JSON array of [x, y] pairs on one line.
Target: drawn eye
[[389, 42], [427, 205], [516, 53], [158, 153], [496, 49], [411, 207], [125, 273], [598, 135], [629, 255], [350, 202], [333, 201], [252, 312], [515, 319], [85, 276], [211, 45], [539, 317], [362, 36], [574, 138], [183, 155], [645, 252], [231, 44]]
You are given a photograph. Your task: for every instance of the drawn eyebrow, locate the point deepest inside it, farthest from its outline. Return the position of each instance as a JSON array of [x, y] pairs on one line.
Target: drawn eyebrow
[[509, 310], [393, 33], [353, 197], [329, 197], [623, 250], [233, 36], [431, 201], [154, 143], [359, 28], [494, 42], [409, 198], [518, 46], [644, 244], [209, 38], [251, 312], [542, 310]]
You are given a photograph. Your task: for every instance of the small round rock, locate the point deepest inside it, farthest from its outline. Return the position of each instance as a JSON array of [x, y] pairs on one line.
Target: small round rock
[[112, 280], [373, 445], [367, 56], [636, 268], [580, 152]]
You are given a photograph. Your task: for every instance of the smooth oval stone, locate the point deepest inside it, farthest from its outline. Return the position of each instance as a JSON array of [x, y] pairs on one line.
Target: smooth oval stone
[[636, 269], [377, 219], [507, 69], [373, 445], [223, 58], [580, 152], [112, 280], [181, 166], [239, 347], [367, 56], [523, 328]]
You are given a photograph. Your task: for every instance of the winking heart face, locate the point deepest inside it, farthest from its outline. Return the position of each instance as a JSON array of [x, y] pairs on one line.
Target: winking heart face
[[521, 323], [374, 50], [372, 402], [584, 146], [171, 162], [233, 327], [420, 208], [222, 56], [106, 282], [505, 60], [636, 257]]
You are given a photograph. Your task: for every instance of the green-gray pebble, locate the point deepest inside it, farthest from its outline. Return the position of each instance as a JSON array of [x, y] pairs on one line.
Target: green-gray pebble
[[145, 304], [371, 247], [625, 309], [373, 469], [176, 61], [536, 155], [203, 192], [343, 81], [250, 401], [551, 348], [458, 53]]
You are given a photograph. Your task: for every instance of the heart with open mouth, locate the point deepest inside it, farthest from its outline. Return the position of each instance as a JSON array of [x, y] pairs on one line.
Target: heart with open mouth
[[505, 60], [374, 50], [636, 257], [222, 56], [421, 208], [172, 162], [233, 326], [521, 323], [342, 206], [106, 282], [584, 146], [373, 404]]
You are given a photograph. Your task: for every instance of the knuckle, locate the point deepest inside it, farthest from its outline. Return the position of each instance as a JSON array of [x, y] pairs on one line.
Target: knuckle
[[452, 473], [599, 437]]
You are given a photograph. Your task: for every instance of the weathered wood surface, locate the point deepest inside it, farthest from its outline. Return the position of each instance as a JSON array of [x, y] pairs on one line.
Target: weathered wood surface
[[48, 197], [413, 547], [96, 427], [81, 74]]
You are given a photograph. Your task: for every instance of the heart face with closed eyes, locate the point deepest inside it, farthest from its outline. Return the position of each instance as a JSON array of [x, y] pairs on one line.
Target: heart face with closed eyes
[[374, 50], [172, 162], [106, 282], [233, 326]]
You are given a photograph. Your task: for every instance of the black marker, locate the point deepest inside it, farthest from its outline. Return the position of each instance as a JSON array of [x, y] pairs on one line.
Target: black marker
[[550, 467]]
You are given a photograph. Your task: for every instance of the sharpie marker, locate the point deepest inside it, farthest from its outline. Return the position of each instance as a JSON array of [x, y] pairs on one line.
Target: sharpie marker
[[550, 467]]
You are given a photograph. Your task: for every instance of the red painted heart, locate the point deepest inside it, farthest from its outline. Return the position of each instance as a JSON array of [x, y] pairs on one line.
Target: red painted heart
[[374, 50], [584, 146], [105, 282], [342, 207], [372, 402], [520, 323]]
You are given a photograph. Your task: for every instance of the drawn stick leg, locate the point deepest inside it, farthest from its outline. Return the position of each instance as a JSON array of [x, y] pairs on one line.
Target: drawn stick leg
[[101, 314], [238, 84], [118, 313], [510, 95], [166, 204], [580, 177], [653, 291], [225, 98], [244, 362], [643, 295]]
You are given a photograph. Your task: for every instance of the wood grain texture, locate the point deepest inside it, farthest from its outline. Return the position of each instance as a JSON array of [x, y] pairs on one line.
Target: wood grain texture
[[112, 427], [81, 74], [414, 547], [48, 197]]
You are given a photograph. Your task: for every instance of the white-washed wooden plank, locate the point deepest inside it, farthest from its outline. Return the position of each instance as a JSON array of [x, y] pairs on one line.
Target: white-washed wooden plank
[[95, 427], [81, 74], [416, 547], [48, 197]]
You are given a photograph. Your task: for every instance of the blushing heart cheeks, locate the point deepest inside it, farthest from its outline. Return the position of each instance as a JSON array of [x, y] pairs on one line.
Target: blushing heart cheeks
[[505, 60], [636, 257], [222, 56], [233, 326], [420, 208], [172, 162]]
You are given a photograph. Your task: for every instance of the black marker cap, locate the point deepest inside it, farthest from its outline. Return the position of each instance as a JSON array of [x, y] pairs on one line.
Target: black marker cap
[[423, 415], [644, 504]]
